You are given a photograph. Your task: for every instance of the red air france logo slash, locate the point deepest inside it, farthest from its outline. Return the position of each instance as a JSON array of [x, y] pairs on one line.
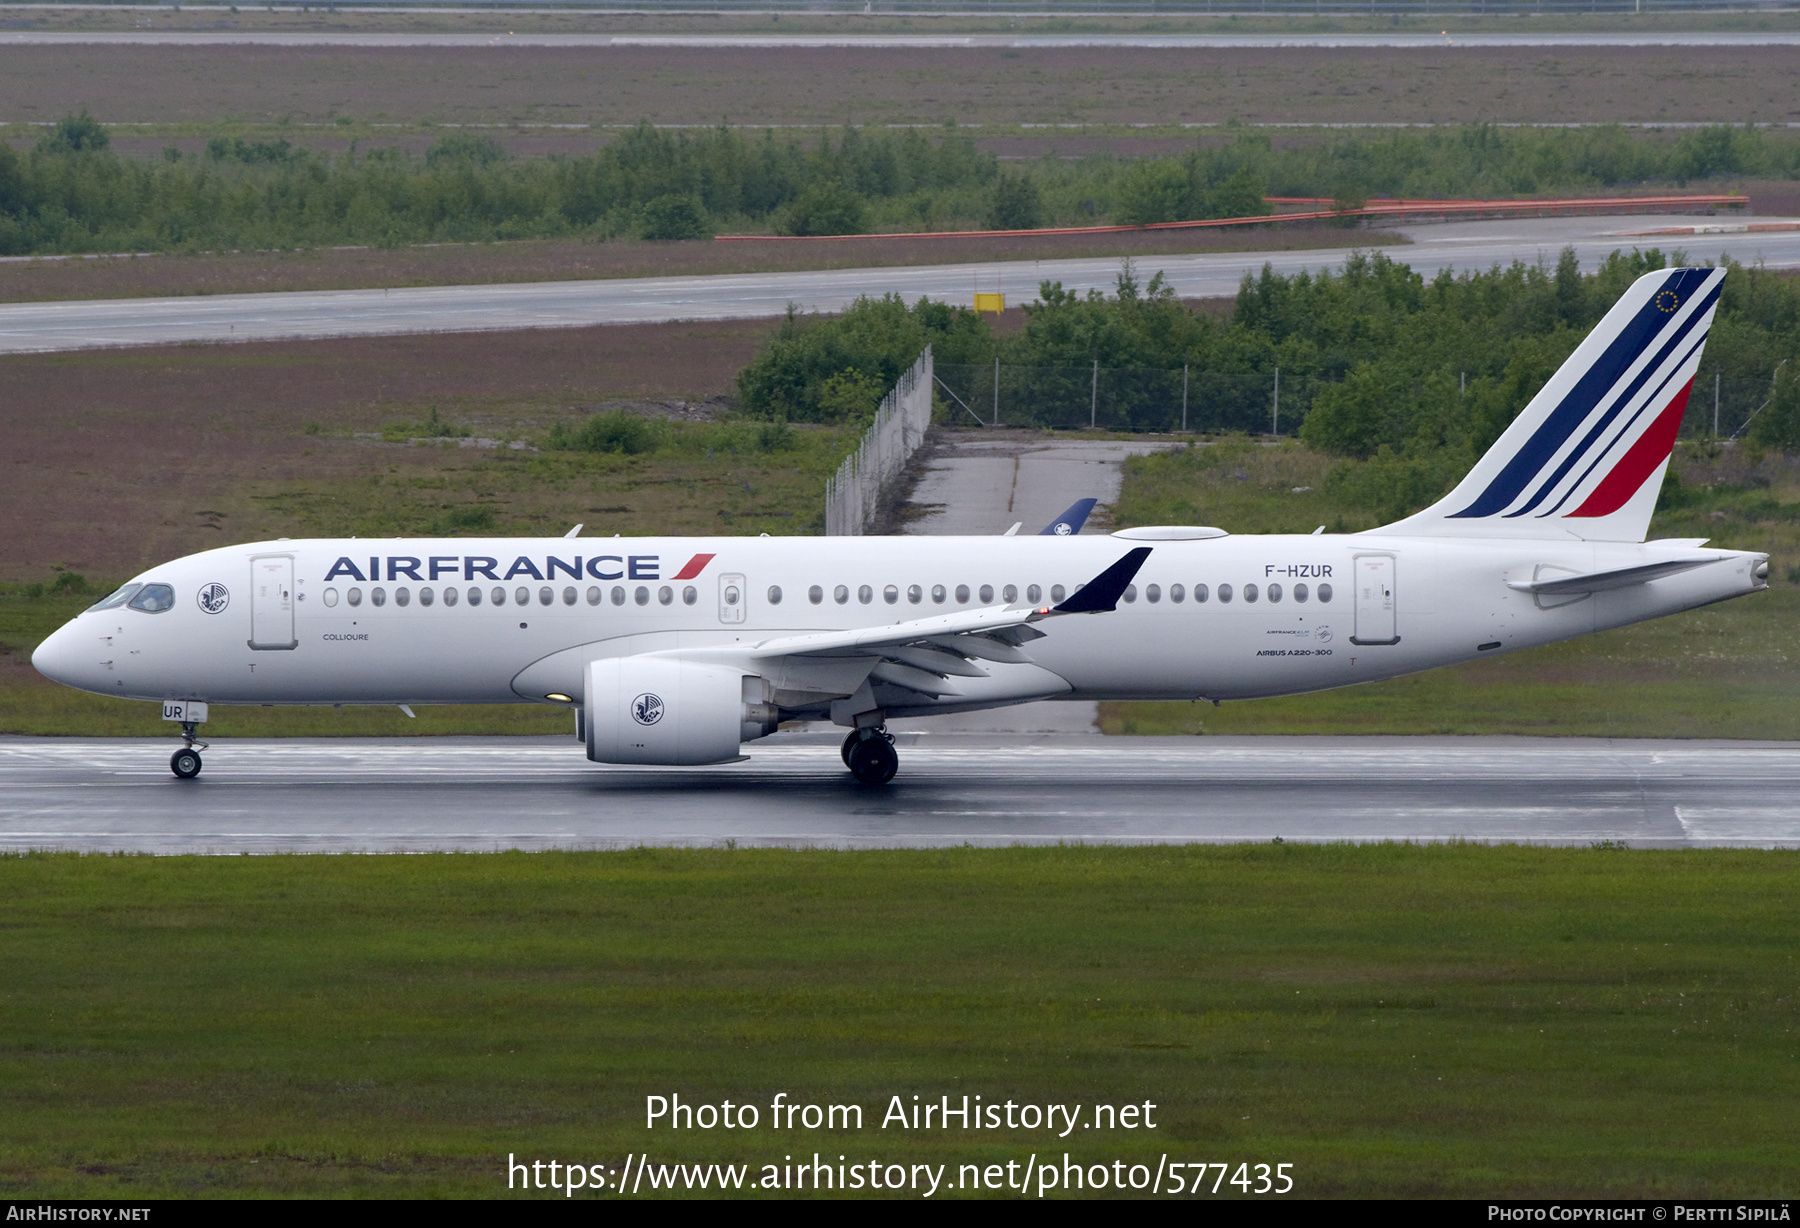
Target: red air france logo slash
[[694, 567]]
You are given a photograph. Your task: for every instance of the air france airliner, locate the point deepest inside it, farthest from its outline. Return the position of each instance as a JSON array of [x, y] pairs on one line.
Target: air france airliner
[[679, 651]]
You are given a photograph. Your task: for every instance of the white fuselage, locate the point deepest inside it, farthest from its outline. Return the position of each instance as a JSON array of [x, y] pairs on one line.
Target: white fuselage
[[1305, 612]]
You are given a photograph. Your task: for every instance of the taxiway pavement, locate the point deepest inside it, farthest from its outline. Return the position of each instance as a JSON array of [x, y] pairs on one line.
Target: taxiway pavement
[[416, 795], [1461, 246]]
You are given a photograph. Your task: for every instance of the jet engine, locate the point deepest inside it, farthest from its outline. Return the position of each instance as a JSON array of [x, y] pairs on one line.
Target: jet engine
[[668, 711]]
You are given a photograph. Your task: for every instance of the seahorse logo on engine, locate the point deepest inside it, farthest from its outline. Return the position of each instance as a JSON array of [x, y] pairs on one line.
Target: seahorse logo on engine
[[647, 709]]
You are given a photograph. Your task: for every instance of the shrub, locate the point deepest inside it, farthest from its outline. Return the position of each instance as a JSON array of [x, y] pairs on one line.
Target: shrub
[[877, 339], [80, 133], [1014, 204], [827, 209], [616, 431], [675, 215]]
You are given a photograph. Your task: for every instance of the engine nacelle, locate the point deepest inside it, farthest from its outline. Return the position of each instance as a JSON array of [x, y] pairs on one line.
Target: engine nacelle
[[667, 711]]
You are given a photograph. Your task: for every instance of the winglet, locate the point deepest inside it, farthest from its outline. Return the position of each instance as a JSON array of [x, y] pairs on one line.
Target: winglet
[[1069, 523], [1102, 593]]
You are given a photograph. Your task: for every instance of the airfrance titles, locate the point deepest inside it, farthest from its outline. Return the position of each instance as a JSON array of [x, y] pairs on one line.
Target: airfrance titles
[[487, 567]]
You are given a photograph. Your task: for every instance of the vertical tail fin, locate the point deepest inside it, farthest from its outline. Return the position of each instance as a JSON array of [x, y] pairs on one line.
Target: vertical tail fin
[[1586, 458]]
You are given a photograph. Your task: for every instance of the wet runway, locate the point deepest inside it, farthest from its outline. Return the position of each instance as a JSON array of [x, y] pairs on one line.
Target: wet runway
[[1397, 39], [1462, 246], [414, 795]]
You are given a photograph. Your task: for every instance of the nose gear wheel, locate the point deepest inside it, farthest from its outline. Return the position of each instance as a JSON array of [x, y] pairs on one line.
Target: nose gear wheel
[[185, 763]]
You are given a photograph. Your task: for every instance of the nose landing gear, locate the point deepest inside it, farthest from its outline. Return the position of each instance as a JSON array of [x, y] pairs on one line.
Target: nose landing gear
[[185, 763], [870, 756]]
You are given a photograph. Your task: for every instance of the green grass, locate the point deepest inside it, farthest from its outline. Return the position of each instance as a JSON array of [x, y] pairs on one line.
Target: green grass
[[1391, 1020], [1727, 671]]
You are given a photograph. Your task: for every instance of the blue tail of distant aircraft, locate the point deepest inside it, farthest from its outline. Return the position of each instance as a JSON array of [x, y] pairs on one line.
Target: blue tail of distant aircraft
[[1069, 523]]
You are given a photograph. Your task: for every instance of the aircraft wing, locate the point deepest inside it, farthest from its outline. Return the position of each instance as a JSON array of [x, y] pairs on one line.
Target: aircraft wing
[[924, 654]]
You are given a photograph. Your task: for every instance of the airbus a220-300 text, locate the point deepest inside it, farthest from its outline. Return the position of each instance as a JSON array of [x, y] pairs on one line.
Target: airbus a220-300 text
[[681, 650]]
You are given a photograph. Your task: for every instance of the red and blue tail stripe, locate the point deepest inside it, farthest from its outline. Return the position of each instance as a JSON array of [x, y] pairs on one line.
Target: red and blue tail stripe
[[1577, 460]]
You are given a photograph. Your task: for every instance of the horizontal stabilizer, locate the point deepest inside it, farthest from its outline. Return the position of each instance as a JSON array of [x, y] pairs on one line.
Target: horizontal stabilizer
[[1601, 581]]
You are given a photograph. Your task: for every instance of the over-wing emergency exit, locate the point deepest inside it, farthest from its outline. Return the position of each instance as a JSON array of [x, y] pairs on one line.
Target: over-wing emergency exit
[[681, 650]]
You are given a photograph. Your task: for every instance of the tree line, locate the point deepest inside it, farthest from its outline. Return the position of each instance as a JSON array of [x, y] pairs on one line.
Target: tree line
[[1410, 378], [73, 193]]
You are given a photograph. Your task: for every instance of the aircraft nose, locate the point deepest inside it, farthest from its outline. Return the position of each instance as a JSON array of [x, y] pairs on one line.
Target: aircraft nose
[[59, 658]]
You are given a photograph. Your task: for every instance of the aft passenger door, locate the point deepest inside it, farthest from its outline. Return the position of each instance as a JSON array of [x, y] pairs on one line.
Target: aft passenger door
[[1375, 616], [272, 602]]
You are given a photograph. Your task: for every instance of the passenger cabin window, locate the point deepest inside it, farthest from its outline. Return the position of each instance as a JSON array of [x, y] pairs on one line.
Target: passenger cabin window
[[642, 595], [474, 595], [774, 594], [962, 594], [353, 596], [891, 594], [449, 596], [840, 594], [1300, 593], [666, 595], [330, 598], [498, 596], [865, 594], [153, 599], [1201, 593], [938, 594], [618, 594], [915, 594], [1130, 594], [378, 596], [987, 594], [815, 594], [403, 596], [426, 596], [1324, 592], [1033, 594], [1274, 593], [1009, 594], [593, 594], [689, 595], [1057, 593], [1152, 593], [569, 596], [1224, 594], [1177, 594]]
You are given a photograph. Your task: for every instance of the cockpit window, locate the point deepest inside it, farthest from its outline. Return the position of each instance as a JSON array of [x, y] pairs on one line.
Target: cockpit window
[[118, 598], [154, 598]]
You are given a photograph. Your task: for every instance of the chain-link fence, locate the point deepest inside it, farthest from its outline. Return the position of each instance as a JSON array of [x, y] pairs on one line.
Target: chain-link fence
[[1162, 399], [853, 495], [1125, 398], [1729, 400]]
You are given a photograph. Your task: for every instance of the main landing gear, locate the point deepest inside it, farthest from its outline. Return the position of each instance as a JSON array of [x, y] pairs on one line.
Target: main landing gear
[[870, 756], [185, 763]]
